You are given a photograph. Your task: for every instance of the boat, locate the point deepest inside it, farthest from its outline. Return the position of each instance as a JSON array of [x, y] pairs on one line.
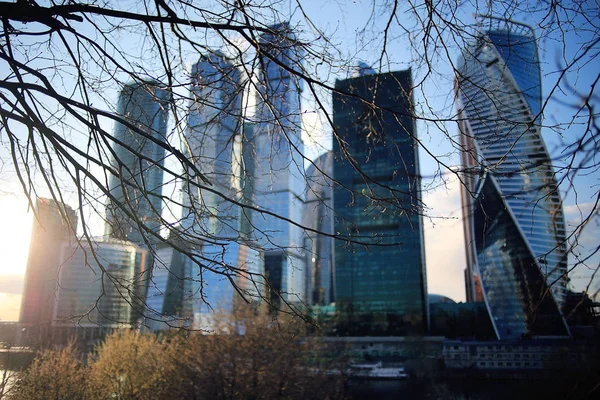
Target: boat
[[376, 371]]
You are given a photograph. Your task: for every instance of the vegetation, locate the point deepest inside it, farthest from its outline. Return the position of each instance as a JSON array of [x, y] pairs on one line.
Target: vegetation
[[249, 356]]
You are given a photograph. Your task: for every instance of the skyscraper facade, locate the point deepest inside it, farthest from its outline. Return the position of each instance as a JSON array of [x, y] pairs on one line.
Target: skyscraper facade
[[169, 302], [100, 285], [380, 268], [277, 147], [212, 144], [318, 216], [54, 223], [212, 221], [134, 211], [514, 224]]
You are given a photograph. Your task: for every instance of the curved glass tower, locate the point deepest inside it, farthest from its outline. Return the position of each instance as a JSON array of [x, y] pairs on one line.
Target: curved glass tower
[[514, 224], [138, 158]]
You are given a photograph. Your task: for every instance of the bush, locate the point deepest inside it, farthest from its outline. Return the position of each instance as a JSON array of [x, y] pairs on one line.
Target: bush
[[54, 374], [249, 356]]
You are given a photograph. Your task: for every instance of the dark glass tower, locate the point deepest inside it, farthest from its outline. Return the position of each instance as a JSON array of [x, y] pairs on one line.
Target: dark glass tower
[[138, 158], [514, 224], [380, 288]]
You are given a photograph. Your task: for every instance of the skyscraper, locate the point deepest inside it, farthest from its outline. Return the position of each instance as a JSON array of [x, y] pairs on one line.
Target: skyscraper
[[320, 270], [100, 285], [380, 269], [212, 219], [169, 302], [137, 158], [54, 223], [514, 224], [278, 181]]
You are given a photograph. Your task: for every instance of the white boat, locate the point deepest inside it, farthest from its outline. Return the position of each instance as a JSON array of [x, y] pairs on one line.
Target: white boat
[[376, 371]]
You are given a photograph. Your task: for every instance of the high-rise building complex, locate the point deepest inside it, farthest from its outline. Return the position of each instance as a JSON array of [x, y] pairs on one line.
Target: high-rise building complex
[[134, 210], [278, 170], [319, 247], [380, 267], [100, 284], [514, 224], [53, 224], [212, 221], [169, 302]]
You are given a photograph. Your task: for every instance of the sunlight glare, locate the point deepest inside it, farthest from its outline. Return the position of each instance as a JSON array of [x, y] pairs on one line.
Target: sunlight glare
[[15, 235]]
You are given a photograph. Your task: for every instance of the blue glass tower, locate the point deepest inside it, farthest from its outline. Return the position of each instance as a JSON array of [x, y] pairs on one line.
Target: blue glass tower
[[278, 170], [212, 222], [514, 224], [380, 281], [100, 286], [137, 159]]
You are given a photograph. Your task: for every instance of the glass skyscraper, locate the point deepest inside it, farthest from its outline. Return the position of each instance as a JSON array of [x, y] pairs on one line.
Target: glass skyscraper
[[169, 302], [54, 224], [379, 258], [514, 224], [320, 270], [212, 221], [100, 286], [137, 159], [278, 170]]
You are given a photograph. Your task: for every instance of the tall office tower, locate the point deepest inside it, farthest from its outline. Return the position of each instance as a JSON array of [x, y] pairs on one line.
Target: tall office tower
[[53, 224], [278, 164], [514, 224], [169, 302], [381, 286], [212, 218], [320, 270], [100, 285], [138, 158]]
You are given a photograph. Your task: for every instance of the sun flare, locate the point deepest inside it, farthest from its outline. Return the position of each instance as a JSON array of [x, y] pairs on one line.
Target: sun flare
[[15, 235]]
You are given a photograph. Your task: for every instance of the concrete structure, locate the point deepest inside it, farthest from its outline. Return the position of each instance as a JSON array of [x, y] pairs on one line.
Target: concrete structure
[[514, 224], [519, 356]]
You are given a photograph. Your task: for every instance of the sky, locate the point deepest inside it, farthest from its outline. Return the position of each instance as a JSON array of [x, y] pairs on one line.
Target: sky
[[444, 243]]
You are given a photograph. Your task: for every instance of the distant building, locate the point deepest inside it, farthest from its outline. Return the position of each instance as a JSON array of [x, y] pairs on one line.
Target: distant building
[[134, 211], [53, 224], [320, 266], [514, 223], [213, 225], [278, 170], [519, 359], [101, 285], [379, 257], [459, 320]]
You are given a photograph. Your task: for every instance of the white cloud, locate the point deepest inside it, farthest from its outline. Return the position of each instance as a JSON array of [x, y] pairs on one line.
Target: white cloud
[[444, 241], [575, 213]]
